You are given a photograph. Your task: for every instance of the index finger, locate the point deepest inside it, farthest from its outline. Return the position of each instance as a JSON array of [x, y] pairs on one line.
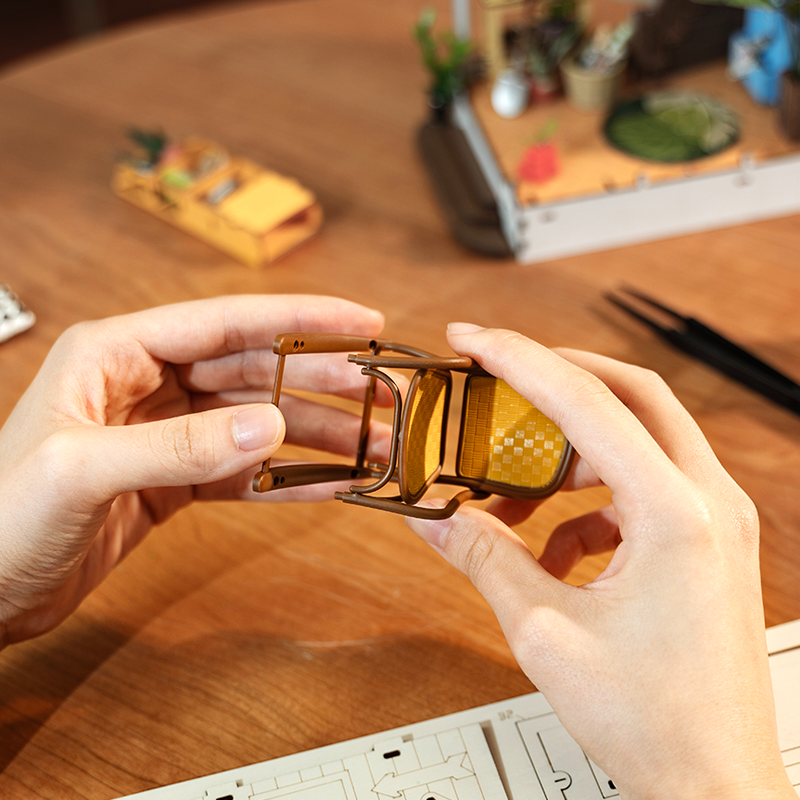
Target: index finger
[[205, 330], [654, 405], [606, 434]]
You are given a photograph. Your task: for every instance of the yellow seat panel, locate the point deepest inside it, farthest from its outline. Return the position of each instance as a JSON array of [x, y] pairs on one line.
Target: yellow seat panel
[[506, 439], [423, 431]]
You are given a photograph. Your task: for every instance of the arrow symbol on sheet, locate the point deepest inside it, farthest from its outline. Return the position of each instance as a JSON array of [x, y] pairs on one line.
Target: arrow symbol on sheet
[[393, 785]]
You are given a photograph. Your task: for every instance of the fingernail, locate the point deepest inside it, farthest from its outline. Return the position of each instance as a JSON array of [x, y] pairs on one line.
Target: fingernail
[[432, 531], [457, 328], [257, 427]]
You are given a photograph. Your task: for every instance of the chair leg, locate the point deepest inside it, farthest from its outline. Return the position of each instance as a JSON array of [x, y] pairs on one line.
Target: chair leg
[[396, 506]]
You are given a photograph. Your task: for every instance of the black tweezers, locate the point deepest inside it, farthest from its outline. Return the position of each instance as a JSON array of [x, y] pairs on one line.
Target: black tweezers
[[705, 344]]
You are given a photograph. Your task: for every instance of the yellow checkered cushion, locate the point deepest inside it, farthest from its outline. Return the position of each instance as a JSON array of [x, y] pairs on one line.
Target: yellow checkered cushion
[[505, 439]]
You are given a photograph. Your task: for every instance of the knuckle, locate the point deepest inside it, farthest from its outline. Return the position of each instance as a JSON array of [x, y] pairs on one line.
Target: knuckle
[[189, 441], [338, 375], [587, 386], [582, 386], [65, 461], [692, 513], [61, 453], [513, 339], [510, 347], [716, 522], [537, 631], [700, 518], [79, 331], [650, 381], [647, 375], [78, 337], [644, 385], [745, 515], [476, 556], [258, 369], [234, 340]]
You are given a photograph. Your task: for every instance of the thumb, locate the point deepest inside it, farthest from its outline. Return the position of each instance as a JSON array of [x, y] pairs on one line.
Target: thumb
[[182, 451], [495, 559]]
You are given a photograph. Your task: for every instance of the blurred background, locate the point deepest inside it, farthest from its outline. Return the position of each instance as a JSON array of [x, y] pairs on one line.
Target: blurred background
[[29, 26]]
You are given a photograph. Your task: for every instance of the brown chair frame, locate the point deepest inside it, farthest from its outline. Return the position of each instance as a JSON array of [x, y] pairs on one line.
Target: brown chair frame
[[369, 355]]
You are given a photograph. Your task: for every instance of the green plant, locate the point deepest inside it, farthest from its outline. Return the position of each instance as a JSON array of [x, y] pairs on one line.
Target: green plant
[[550, 30], [545, 53], [152, 142], [444, 56], [566, 10], [545, 133], [789, 11]]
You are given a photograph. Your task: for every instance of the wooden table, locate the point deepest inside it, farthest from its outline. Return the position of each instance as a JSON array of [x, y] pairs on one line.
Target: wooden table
[[237, 633]]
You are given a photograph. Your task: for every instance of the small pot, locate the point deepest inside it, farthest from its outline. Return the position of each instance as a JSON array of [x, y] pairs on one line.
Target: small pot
[[789, 106], [544, 88], [590, 91]]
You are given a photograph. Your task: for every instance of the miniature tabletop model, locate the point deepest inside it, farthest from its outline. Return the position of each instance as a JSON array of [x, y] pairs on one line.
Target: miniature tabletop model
[[505, 445], [253, 214], [591, 165], [616, 182]]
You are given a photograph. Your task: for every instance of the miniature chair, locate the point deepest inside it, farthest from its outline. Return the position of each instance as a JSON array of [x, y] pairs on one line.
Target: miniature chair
[[506, 446]]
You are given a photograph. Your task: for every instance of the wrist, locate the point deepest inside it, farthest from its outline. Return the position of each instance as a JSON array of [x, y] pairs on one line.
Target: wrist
[[740, 760], [762, 785]]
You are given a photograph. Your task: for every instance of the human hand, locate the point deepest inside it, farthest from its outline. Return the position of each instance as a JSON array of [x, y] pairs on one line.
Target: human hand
[[658, 667], [133, 417]]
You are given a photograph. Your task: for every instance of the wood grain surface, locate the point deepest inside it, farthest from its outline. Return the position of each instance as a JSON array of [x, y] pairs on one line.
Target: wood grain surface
[[238, 632]]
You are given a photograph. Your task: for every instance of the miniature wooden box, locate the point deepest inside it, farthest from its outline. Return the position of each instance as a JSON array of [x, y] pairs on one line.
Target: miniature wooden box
[[242, 209]]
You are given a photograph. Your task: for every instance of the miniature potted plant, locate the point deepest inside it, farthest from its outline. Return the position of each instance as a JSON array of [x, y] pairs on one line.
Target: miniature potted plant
[[152, 143], [789, 17], [544, 56], [593, 76], [548, 43], [445, 57]]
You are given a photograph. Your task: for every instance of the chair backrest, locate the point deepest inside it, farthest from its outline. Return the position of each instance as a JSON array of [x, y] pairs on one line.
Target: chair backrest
[[424, 430], [506, 440]]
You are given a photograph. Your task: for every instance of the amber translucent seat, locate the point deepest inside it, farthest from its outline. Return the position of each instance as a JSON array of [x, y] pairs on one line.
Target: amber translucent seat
[[505, 445], [505, 440]]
